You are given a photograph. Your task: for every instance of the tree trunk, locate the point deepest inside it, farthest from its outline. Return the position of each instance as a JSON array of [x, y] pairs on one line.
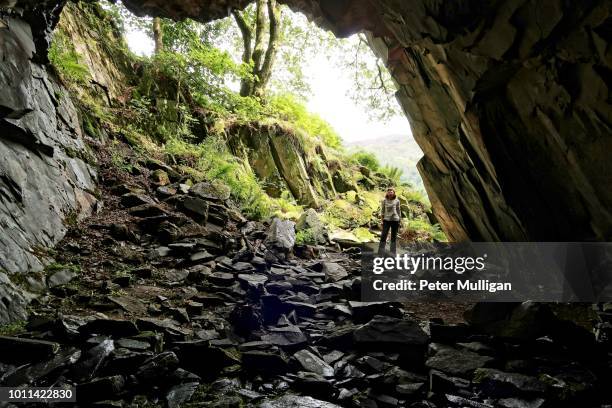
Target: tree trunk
[[265, 72], [158, 35], [247, 54], [257, 53]]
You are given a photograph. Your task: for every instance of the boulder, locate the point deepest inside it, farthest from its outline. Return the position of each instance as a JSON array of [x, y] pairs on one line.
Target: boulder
[[343, 182], [210, 191], [31, 373], [180, 394], [197, 206], [100, 389], [385, 331], [61, 277], [131, 199], [281, 234], [364, 311], [334, 272], [461, 363], [157, 367], [159, 177], [110, 327], [266, 362], [289, 336]]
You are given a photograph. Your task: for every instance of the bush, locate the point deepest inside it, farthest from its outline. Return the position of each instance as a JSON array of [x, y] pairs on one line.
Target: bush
[[286, 107], [392, 173], [305, 237], [366, 159], [421, 230], [211, 160]]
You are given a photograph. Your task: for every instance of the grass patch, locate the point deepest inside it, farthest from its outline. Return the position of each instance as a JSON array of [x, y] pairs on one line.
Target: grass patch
[[56, 266], [12, 329], [421, 230]]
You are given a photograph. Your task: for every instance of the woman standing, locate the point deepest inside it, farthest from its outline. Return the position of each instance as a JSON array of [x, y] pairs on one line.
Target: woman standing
[[391, 215]]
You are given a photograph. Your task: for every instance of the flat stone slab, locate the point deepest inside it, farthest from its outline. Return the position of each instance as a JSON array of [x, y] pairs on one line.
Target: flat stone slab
[[15, 350], [296, 401]]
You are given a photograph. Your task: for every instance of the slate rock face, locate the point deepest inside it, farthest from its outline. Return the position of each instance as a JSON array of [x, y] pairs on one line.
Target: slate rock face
[[43, 177]]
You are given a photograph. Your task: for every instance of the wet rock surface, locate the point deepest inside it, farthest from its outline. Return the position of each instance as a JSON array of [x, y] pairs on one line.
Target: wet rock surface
[[44, 173]]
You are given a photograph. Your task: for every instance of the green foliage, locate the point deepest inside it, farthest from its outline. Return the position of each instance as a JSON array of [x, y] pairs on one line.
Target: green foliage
[[181, 36], [55, 266], [374, 87], [366, 159], [286, 107], [364, 234], [161, 119], [212, 161], [12, 328], [416, 196], [392, 173], [346, 215], [286, 207], [65, 60], [305, 237], [423, 230]]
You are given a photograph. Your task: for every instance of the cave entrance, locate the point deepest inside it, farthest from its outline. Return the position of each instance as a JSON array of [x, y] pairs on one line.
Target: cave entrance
[[278, 110]]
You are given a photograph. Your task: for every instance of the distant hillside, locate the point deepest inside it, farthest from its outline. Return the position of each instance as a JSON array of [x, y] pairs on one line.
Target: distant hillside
[[394, 150]]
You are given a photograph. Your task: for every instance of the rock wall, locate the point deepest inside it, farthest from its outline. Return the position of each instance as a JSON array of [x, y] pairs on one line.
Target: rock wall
[[101, 49], [510, 103], [283, 161], [43, 175], [508, 99]]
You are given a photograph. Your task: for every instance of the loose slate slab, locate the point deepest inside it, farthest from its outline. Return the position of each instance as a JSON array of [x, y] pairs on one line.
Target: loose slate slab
[[61, 277], [461, 363], [290, 336], [30, 373], [110, 327], [498, 383], [385, 331], [15, 350], [129, 304], [310, 362], [252, 280], [295, 401]]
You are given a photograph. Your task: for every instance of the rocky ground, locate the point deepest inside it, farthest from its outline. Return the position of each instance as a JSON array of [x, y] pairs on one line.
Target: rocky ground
[[168, 296]]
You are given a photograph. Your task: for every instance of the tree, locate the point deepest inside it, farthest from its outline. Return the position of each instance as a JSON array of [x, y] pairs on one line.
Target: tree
[[158, 35], [256, 53], [374, 88], [274, 46]]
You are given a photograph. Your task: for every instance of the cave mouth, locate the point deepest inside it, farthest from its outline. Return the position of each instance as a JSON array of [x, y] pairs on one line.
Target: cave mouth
[[471, 90]]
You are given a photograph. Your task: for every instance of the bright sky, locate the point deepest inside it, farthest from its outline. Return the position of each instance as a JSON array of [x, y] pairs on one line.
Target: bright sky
[[329, 97]]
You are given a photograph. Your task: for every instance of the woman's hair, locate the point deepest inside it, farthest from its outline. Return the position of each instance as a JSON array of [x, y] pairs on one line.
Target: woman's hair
[[390, 195]]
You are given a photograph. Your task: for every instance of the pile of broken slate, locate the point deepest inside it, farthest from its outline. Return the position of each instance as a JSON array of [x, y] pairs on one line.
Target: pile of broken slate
[[259, 327]]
